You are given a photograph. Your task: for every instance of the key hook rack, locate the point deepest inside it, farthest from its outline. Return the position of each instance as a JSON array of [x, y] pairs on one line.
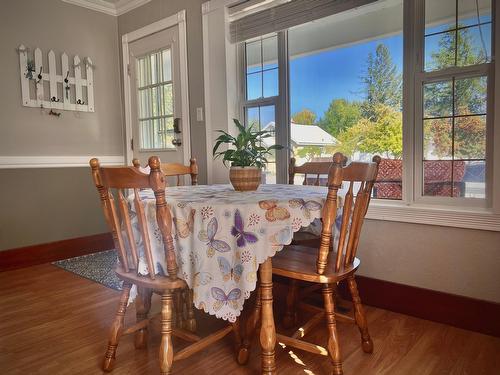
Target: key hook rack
[[65, 92]]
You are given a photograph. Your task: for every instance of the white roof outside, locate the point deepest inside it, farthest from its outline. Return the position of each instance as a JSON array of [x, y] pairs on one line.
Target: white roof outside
[[307, 135]]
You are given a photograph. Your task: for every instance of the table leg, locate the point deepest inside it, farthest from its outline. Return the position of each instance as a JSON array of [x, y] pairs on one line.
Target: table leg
[[267, 330], [250, 325]]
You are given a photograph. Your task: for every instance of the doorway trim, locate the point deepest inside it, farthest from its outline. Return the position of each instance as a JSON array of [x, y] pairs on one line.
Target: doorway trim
[[179, 20]]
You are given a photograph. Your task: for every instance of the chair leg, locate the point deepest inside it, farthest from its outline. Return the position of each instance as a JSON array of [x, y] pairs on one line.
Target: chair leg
[[166, 349], [290, 318], [179, 308], [333, 341], [250, 327], [142, 305], [190, 323], [359, 316], [116, 329], [267, 328]]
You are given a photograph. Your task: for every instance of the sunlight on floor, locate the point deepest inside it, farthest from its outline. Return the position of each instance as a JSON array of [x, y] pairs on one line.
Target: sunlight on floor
[[296, 359]]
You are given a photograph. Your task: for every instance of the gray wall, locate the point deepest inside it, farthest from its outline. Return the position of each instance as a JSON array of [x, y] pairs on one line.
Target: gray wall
[[42, 205], [154, 11], [453, 260], [45, 205]]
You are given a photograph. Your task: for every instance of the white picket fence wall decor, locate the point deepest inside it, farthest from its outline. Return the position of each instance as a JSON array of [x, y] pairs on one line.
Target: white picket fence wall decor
[[63, 91]]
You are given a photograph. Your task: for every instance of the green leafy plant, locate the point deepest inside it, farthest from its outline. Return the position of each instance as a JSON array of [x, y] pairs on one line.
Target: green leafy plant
[[249, 147]]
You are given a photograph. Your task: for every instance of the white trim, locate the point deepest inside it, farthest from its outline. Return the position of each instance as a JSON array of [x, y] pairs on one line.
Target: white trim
[[14, 162], [124, 6], [444, 216], [178, 19], [205, 9], [219, 109], [113, 9], [246, 8]]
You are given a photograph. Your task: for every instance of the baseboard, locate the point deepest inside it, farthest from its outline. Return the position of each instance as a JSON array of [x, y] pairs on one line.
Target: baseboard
[[52, 251], [458, 311]]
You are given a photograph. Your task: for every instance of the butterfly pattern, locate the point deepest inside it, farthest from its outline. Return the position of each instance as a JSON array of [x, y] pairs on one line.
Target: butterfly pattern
[[185, 227], [208, 237], [222, 298], [280, 238], [219, 250], [306, 206], [237, 231], [273, 211], [228, 271]]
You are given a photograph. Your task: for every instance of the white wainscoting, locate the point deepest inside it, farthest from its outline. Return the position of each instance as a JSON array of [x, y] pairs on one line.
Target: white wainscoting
[[14, 162]]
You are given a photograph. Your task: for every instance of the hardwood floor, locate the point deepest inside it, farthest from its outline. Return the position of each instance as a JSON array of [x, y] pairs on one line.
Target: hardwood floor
[[54, 322]]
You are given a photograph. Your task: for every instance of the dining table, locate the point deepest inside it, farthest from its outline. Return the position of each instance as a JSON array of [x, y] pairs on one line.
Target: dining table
[[223, 238]]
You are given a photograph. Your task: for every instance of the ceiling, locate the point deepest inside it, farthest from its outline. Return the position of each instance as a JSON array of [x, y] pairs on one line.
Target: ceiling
[[111, 7]]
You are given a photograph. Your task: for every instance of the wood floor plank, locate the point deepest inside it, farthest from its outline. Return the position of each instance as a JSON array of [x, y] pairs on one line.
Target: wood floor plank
[[54, 322]]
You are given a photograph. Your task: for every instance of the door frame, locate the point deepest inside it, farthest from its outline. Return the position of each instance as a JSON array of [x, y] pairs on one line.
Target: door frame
[[179, 20]]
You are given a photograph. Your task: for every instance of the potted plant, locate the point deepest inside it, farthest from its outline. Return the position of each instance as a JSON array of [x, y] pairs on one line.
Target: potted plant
[[247, 156]]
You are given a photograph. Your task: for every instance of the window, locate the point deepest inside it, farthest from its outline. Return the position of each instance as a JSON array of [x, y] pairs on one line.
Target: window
[[361, 82], [454, 114], [155, 101], [261, 92], [346, 90]]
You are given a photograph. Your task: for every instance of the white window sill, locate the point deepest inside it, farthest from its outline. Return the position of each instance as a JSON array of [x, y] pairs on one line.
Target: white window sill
[[423, 214]]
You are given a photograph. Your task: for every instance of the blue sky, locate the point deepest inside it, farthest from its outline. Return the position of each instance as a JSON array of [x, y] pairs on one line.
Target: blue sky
[[317, 79]]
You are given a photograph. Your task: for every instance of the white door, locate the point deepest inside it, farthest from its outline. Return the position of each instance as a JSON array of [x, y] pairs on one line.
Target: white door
[[156, 97]]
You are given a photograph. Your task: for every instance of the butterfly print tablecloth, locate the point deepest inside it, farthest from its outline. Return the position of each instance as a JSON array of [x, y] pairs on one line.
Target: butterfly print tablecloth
[[221, 236]]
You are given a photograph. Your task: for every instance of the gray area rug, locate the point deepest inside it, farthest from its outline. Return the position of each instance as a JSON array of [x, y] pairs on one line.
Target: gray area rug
[[98, 267]]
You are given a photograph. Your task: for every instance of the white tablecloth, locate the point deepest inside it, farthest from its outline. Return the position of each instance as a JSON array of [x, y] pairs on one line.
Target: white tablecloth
[[221, 236]]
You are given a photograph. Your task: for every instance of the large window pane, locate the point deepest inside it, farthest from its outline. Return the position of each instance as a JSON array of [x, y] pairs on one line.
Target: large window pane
[[457, 39], [261, 68], [457, 142], [346, 90], [263, 118]]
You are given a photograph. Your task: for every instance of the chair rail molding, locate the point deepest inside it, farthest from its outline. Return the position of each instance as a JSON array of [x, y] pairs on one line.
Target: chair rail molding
[[14, 162]]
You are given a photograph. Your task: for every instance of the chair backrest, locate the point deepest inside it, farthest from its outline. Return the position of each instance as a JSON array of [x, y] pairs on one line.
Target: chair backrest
[[177, 170], [117, 180], [312, 168], [354, 209], [315, 169]]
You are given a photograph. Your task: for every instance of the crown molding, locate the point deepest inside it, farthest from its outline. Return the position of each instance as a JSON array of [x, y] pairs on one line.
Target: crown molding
[[113, 9]]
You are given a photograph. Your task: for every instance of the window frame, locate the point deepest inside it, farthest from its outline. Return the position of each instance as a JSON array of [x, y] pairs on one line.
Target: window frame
[[280, 101], [473, 213], [422, 77]]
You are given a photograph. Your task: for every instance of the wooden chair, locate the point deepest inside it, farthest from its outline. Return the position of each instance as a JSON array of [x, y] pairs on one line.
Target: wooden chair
[[182, 299], [316, 169], [119, 179], [177, 170], [312, 172], [326, 267], [311, 168]]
